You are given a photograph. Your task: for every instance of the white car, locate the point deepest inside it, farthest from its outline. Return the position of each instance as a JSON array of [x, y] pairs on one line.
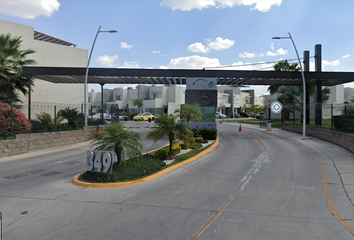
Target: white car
[[219, 115], [106, 116]]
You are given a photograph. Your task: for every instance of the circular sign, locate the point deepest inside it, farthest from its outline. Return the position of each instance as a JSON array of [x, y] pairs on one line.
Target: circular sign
[[276, 107]]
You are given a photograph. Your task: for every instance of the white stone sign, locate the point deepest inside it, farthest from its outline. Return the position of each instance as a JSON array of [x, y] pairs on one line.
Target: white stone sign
[[100, 161]]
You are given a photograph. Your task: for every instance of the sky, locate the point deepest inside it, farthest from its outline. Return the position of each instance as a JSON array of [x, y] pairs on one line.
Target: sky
[[195, 34]]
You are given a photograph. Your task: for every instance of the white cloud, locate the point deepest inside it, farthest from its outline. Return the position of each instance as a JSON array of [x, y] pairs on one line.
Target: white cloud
[[334, 63], [188, 5], [250, 66], [29, 9], [247, 55], [280, 51], [156, 52], [346, 56], [220, 44], [198, 47], [107, 61], [125, 45], [194, 61], [261, 54], [130, 65]]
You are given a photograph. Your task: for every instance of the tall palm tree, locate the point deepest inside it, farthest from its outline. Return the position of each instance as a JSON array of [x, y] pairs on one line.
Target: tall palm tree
[[115, 138], [189, 112], [168, 126], [282, 65], [138, 102], [12, 60]]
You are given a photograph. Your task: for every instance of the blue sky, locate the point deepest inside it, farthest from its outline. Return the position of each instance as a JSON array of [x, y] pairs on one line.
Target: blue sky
[[195, 33]]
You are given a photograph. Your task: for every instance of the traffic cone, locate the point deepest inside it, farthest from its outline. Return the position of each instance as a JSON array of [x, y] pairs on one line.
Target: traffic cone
[[240, 128]]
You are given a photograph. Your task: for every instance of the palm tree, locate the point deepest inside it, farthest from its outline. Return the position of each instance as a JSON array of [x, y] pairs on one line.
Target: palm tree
[[168, 126], [282, 65], [293, 95], [138, 102], [72, 115], [115, 138], [189, 112], [12, 60]]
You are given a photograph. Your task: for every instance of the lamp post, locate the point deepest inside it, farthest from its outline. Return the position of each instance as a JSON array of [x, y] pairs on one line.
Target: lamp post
[[87, 70], [304, 87]]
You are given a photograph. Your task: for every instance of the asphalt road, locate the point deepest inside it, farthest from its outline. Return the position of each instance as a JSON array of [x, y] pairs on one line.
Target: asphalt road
[[254, 185]]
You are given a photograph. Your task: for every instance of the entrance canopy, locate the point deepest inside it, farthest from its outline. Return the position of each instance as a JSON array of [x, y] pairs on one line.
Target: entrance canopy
[[178, 76]]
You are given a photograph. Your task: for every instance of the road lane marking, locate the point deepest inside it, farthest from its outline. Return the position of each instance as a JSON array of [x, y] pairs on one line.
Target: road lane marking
[[258, 163], [213, 218]]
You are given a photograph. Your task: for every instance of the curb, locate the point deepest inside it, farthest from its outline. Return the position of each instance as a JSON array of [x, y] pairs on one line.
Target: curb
[[79, 183]]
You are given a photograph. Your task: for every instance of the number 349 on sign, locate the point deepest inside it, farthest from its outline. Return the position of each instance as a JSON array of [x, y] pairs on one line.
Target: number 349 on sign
[[100, 161]]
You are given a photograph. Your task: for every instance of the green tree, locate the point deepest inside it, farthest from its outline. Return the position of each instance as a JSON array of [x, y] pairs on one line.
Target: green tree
[[254, 108], [280, 66], [293, 95], [115, 138], [12, 60], [73, 116], [189, 112], [168, 126], [138, 102]]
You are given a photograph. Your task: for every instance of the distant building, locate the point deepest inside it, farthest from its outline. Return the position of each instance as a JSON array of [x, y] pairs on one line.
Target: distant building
[[348, 94]]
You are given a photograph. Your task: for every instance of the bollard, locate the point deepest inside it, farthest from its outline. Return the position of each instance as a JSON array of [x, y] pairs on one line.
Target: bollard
[[269, 125]]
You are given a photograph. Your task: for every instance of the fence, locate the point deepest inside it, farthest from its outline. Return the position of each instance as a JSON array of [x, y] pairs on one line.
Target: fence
[[339, 117]]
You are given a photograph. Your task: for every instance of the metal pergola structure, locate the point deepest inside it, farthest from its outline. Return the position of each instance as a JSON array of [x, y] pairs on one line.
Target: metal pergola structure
[[235, 78], [178, 76]]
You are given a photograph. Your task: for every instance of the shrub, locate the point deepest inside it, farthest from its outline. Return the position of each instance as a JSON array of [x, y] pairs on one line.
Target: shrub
[[20, 122], [196, 146], [184, 145], [176, 148], [132, 115], [205, 133], [163, 152], [131, 169]]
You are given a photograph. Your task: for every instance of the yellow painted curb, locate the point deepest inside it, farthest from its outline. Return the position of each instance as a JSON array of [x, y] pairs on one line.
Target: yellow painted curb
[[77, 182]]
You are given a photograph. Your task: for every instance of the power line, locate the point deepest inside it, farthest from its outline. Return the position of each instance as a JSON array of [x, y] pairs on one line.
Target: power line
[[259, 63]]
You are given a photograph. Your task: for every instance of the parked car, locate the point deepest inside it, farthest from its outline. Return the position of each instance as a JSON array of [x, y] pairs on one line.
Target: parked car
[[260, 115], [146, 116], [106, 116], [236, 115], [244, 114], [219, 115], [123, 117]]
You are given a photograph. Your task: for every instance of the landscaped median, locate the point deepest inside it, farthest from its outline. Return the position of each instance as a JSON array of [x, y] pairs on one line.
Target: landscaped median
[[167, 169]]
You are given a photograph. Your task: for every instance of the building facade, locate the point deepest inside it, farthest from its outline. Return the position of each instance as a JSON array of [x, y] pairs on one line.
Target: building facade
[[49, 52]]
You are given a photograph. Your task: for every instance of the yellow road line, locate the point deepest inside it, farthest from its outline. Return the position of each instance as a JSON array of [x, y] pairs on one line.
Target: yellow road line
[[213, 218], [264, 146], [38, 154], [325, 185], [327, 192]]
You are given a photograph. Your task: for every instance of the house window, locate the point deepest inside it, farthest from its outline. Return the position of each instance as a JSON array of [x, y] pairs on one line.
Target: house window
[[154, 95], [118, 98], [247, 101]]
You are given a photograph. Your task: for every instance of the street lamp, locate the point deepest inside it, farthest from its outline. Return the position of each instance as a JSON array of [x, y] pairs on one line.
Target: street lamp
[[304, 87], [87, 70]]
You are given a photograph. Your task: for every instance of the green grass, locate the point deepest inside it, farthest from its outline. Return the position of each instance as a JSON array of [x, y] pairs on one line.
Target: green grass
[[136, 168]]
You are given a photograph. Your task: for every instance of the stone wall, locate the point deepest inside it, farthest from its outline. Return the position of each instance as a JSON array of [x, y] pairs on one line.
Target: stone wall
[[325, 133], [205, 98], [25, 143]]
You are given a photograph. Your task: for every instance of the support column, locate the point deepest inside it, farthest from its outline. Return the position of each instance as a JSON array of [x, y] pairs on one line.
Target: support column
[[29, 97], [306, 64], [102, 120], [318, 89]]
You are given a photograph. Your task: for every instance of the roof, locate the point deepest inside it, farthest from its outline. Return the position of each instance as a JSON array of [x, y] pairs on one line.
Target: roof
[[178, 76], [46, 38]]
